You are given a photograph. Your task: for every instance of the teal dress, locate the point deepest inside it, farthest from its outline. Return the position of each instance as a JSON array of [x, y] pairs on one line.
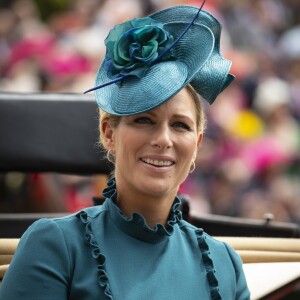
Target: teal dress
[[99, 253]]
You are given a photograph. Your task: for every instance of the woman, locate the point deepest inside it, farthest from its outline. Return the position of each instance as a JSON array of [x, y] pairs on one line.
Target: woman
[[136, 245]]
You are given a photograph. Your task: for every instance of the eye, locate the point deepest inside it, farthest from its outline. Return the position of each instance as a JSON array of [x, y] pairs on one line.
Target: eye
[[182, 125], [143, 120]]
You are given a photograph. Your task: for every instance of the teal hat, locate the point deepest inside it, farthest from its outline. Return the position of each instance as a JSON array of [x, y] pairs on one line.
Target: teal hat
[[149, 60]]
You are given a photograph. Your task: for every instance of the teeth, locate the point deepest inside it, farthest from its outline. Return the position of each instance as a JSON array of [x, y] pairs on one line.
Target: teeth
[[155, 162]]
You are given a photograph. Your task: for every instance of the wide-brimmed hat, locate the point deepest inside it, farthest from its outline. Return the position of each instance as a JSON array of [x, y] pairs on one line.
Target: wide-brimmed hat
[[149, 60]]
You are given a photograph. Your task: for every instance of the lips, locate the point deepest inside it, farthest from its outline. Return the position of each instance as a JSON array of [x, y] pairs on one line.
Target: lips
[[157, 162]]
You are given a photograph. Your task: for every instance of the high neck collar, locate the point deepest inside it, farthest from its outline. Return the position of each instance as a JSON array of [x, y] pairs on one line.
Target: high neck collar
[[136, 225]]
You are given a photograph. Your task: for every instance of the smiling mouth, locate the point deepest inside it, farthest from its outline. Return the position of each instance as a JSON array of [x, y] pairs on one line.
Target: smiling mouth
[[157, 163]]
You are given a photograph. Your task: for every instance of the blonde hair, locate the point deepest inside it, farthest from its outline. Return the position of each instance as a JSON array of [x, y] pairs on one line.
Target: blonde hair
[[200, 115], [115, 120]]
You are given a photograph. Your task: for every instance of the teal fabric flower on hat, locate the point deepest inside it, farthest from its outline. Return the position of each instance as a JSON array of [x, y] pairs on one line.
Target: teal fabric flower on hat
[[134, 45]]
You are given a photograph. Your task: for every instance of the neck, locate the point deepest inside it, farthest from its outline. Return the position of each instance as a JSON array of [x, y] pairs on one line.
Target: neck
[[155, 210]]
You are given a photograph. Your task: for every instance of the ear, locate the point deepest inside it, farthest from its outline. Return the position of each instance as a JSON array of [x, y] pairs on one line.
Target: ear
[[107, 135], [200, 138], [199, 141]]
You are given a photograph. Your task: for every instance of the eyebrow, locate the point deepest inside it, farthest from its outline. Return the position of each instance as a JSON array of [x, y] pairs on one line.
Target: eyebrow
[[182, 116], [177, 116]]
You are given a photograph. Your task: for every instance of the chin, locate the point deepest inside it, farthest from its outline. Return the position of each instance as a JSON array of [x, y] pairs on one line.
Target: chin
[[158, 187]]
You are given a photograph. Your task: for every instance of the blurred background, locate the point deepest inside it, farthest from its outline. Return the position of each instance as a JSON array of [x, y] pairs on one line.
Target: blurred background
[[248, 163]]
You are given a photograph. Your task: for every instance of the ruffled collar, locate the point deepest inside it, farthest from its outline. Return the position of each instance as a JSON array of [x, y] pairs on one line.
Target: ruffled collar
[[136, 225]]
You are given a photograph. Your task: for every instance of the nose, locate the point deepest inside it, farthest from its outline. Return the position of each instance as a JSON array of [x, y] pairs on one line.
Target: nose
[[162, 137]]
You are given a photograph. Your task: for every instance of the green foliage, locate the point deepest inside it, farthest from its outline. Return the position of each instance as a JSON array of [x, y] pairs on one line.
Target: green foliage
[[48, 7]]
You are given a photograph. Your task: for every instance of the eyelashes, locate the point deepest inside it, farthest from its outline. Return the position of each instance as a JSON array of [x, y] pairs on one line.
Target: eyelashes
[[143, 120], [182, 125], [176, 124]]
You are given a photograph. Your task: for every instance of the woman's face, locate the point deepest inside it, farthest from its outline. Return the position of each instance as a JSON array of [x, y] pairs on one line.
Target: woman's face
[[154, 150]]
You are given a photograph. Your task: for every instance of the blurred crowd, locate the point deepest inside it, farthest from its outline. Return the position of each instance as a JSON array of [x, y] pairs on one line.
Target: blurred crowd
[[248, 163]]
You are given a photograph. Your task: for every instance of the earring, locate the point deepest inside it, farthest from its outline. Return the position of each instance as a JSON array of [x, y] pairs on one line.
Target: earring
[[193, 167], [110, 157]]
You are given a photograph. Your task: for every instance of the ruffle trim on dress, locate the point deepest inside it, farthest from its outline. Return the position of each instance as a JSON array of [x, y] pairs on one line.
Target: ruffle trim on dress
[[110, 191], [175, 214], [96, 252], [209, 266]]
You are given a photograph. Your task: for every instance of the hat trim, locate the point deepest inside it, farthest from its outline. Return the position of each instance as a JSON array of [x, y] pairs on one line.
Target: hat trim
[[118, 79]]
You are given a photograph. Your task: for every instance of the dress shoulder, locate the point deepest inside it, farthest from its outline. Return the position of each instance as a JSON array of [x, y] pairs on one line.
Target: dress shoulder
[[45, 254], [41, 256], [219, 257]]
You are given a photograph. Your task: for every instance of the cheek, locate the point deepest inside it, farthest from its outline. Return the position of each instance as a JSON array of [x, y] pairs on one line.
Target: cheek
[[187, 154], [127, 141], [189, 146]]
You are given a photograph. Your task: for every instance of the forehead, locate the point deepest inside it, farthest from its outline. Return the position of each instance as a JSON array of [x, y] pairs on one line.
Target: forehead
[[182, 103]]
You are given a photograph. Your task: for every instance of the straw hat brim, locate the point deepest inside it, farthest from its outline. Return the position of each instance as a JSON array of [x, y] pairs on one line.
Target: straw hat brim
[[198, 61], [214, 76], [162, 80]]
